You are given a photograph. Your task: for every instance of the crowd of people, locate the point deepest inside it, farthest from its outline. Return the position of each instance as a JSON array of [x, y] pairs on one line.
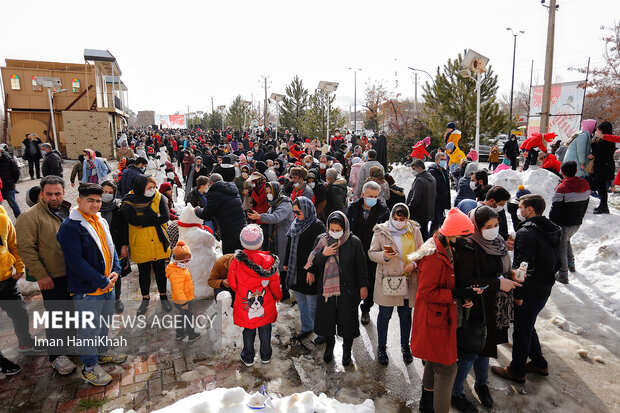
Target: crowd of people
[[320, 224]]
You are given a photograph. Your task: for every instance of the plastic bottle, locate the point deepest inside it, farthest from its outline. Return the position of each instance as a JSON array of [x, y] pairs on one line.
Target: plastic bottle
[[521, 272]]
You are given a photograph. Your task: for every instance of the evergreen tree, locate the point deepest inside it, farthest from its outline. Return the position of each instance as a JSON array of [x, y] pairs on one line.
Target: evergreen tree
[[452, 98], [236, 115], [215, 120], [294, 105], [315, 119]]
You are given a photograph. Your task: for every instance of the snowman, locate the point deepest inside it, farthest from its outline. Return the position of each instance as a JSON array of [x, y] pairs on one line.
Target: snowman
[[205, 250]]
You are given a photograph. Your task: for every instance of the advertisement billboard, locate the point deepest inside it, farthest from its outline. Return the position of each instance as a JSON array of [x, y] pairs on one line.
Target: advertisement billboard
[[170, 121], [566, 105]]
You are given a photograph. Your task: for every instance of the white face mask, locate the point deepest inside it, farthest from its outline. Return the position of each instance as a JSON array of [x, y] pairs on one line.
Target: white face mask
[[414, 172], [520, 215], [398, 224], [336, 235], [322, 165], [149, 193], [308, 164], [270, 197], [312, 185], [183, 265], [170, 175], [297, 184], [472, 185], [107, 197], [490, 234], [499, 209]]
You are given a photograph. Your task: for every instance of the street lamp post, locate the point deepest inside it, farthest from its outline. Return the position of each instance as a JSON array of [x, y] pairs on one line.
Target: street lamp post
[[354, 99], [474, 62], [423, 71], [512, 83], [327, 87], [277, 97], [51, 83], [221, 109]]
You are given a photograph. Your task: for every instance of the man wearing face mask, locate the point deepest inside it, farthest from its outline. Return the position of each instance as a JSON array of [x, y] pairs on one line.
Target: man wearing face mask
[[52, 164], [363, 215], [511, 151], [130, 174], [538, 243], [300, 188], [497, 197], [480, 185], [442, 193], [197, 171], [309, 162], [421, 198]]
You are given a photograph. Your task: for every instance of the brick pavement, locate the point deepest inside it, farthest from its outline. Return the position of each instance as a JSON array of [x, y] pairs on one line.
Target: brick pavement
[[142, 383]]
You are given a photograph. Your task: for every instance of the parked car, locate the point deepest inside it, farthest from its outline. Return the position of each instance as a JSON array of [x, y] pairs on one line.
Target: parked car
[[483, 153]]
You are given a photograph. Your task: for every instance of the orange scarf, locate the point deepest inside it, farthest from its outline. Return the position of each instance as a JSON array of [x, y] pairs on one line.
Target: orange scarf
[[94, 222]]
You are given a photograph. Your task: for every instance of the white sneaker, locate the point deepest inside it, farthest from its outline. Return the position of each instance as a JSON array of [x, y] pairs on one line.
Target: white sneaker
[[97, 376], [63, 365]]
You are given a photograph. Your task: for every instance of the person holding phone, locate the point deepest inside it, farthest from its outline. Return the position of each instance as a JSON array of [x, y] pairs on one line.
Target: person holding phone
[[391, 245], [342, 282], [483, 262]]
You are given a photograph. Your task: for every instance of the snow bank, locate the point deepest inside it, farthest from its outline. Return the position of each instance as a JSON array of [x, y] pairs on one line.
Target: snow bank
[[537, 181], [237, 400]]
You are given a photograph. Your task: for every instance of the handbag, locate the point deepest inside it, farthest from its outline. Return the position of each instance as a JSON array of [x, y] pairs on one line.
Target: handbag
[[125, 266], [590, 167], [398, 286], [471, 336]]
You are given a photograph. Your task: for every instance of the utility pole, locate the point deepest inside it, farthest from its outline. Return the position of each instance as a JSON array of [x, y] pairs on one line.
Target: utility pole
[[415, 102], [546, 101], [212, 107], [266, 101]]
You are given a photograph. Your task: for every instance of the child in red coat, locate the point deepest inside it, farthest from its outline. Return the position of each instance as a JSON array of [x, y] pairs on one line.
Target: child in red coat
[[253, 276]]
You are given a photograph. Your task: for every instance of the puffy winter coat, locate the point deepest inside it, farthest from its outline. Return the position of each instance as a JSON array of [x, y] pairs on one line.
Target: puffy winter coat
[[433, 332], [281, 217], [419, 151], [9, 258], [551, 162], [578, 151], [9, 171], [570, 202], [337, 196], [52, 164], [511, 149], [421, 198], [181, 283], [393, 267], [253, 276], [538, 243], [456, 156]]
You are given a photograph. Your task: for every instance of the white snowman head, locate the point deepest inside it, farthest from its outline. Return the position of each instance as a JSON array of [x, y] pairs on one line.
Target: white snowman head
[[188, 215]]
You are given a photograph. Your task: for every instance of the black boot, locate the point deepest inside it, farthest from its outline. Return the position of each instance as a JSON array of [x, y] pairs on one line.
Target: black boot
[[330, 343], [484, 396], [426, 402], [346, 351], [165, 303], [144, 305], [119, 307], [407, 356], [382, 356], [462, 404]]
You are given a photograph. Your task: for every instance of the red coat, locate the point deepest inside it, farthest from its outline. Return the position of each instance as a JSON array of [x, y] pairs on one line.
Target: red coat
[[419, 151], [535, 141], [433, 333], [617, 180], [253, 276], [260, 199], [293, 151], [175, 146], [551, 162]]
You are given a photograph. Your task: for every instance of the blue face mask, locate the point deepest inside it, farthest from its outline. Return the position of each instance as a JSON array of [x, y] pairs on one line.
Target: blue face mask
[[443, 163], [370, 202]]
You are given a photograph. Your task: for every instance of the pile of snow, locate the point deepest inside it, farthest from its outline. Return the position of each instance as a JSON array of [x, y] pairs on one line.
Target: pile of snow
[[237, 400], [537, 181]]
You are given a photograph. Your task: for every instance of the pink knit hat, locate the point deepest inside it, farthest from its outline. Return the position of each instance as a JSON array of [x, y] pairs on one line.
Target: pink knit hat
[[427, 140], [473, 155], [251, 237]]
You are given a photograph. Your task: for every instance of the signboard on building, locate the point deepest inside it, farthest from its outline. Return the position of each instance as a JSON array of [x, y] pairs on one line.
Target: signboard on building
[[566, 105], [170, 121]]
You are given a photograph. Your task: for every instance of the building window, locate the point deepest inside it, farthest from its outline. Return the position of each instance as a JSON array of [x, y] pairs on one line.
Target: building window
[[35, 87], [75, 84], [15, 82]]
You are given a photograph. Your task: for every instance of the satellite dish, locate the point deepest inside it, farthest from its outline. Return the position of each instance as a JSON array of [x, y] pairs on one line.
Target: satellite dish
[[475, 62]]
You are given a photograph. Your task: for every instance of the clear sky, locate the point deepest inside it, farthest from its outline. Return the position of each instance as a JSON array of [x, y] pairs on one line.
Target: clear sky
[[179, 53]]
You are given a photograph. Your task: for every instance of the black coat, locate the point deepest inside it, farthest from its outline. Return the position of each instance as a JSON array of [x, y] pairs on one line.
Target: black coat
[[336, 197], [421, 198], [339, 315], [32, 156], [52, 164], [397, 194], [228, 174], [129, 176], [511, 149], [9, 171], [225, 208], [472, 266], [442, 194], [304, 248], [355, 215], [604, 166], [538, 243], [194, 198]]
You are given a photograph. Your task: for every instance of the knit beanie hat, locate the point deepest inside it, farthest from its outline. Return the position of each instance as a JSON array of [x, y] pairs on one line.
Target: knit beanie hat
[[451, 125], [522, 191], [473, 155], [164, 187], [181, 252], [251, 237], [427, 140], [457, 223]]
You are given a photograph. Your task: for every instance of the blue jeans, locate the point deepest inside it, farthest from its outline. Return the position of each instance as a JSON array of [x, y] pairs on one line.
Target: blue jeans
[[307, 310], [249, 335], [481, 369], [101, 306], [524, 338], [9, 195], [383, 321]]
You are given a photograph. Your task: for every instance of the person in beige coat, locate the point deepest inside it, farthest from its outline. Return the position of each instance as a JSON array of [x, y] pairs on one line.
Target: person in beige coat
[[392, 243]]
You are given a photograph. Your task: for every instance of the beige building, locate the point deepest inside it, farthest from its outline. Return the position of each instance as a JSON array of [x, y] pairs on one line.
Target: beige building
[[90, 106]]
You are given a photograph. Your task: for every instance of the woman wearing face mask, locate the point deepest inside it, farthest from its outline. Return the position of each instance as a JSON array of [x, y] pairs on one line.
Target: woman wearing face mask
[[111, 212], [342, 282], [301, 236], [146, 212], [484, 260], [402, 237], [94, 169], [434, 325]]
